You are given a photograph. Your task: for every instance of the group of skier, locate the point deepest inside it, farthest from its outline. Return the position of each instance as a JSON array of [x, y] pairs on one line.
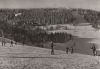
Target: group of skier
[[4, 42], [3, 39], [71, 49]]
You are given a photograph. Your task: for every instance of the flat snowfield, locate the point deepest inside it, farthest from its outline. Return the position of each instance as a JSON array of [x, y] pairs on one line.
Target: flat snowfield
[[27, 57]]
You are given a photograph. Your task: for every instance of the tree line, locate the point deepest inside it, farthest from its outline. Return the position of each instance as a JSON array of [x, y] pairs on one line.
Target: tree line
[[28, 36], [49, 16], [38, 37]]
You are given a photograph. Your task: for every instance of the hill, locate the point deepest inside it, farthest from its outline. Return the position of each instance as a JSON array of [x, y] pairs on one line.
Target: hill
[[19, 24], [23, 25], [27, 57]]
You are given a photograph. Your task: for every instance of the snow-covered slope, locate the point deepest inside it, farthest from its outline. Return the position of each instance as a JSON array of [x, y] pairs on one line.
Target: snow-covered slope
[[27, 57]]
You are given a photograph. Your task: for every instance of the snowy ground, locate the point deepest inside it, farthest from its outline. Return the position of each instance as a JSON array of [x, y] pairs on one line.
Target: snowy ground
[[27, 57]]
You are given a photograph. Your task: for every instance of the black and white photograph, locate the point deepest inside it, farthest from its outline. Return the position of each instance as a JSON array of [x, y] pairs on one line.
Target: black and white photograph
[[49, 34]]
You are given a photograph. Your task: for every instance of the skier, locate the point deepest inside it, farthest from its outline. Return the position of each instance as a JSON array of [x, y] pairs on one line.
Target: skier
[[72, 50], [94, 50], [11, 44], [52, 48], [67, 49], [3, 42]]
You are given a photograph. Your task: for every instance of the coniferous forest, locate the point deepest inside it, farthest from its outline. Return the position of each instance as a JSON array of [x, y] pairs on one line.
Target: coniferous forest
[[18, 24]]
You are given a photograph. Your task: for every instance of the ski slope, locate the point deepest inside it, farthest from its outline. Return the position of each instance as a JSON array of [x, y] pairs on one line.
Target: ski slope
[[28, 57]]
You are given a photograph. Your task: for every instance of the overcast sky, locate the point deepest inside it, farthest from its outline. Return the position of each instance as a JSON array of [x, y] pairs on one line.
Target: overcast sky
[[87, 4]]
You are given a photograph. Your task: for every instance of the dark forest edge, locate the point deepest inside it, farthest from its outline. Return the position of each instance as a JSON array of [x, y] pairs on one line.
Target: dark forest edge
[[18, 24]]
